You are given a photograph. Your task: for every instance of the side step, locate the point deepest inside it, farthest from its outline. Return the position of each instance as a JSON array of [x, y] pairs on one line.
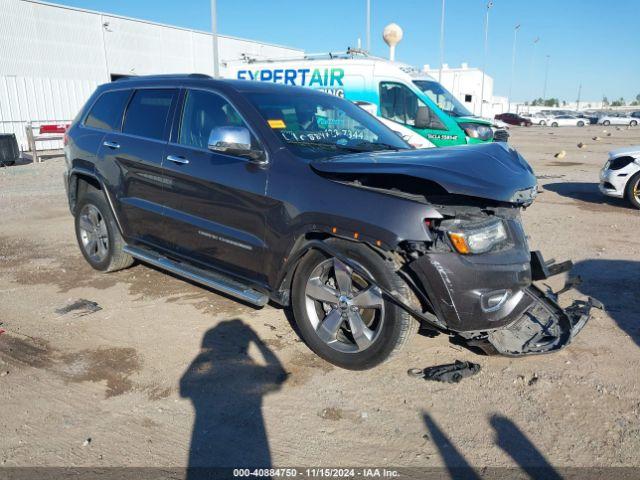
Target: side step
[[213, 280]]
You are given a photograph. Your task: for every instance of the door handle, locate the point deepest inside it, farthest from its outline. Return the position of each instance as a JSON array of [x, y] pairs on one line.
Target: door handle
[[176, 159], [113, 145]]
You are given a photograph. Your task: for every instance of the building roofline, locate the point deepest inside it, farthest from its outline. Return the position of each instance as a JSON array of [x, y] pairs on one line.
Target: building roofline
[[149, 22]]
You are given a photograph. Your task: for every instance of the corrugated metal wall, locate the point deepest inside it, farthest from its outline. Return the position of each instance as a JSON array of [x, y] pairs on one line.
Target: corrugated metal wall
[[52, 57]]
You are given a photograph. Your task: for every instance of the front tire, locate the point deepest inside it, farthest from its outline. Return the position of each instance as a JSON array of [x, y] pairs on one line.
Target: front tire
[[543, 123], [606, 123], [554, 124], [632, 191], [633, 123], [581, 124], [97, 233], [342, 317]]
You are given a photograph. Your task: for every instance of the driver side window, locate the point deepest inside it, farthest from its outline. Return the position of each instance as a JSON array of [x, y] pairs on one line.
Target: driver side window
[[202, 112], [400, 104]]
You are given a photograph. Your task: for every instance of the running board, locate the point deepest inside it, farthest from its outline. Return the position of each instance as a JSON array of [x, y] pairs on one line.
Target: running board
[[213, 280]]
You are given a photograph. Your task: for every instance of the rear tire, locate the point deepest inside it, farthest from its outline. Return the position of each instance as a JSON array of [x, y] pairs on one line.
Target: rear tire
[[554, 124], [606, 123], [633, 123], [328, 326], [581, 124], [543, 123], [632, 190], [97, 233]]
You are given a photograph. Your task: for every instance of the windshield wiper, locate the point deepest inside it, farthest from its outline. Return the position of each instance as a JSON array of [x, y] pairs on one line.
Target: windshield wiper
[[376, 145], [330, 146]]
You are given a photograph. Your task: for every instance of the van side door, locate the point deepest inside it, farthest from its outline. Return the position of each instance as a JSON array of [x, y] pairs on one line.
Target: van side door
[[215, 202], [134, 156]]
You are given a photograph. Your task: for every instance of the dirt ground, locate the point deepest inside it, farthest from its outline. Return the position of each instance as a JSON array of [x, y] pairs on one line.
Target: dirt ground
[[167, 373]]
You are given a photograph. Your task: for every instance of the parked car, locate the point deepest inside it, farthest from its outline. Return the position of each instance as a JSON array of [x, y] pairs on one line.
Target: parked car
[[276, 193], [618, 119], [567, 120], [514, 119], [540, 119], [620, 176], [636, 114]]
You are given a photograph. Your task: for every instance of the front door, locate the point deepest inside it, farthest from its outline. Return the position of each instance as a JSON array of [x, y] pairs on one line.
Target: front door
[[215, 203]]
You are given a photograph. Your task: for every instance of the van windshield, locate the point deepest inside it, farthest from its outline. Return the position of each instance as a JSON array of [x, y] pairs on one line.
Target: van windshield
[[316, 126], [443, 98]]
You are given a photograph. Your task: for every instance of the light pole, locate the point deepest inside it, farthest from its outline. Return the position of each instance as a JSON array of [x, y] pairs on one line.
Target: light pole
[[533, 55], [513, 62], [368, 26], [486, 43], [441, 43], [578, 101], [214, 34], [546, 76]]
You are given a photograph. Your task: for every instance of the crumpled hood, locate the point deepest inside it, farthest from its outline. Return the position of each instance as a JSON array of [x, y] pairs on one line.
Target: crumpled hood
[[492, 170]]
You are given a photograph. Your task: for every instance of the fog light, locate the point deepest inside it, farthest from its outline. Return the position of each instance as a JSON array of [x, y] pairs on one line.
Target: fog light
[[493, 301]]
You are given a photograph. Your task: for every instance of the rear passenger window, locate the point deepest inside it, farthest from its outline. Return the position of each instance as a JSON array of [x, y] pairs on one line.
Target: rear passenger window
[[106, 113], [147, 113]]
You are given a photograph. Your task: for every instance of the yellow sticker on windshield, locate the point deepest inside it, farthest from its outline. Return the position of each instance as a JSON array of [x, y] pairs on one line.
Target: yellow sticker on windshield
[[276, 124]]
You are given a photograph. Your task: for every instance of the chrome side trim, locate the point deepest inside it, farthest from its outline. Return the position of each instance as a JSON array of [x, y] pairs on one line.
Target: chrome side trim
[[213, 280]]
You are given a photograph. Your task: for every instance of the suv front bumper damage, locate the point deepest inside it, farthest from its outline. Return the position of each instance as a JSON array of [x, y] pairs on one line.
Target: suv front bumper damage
[[528, 322]]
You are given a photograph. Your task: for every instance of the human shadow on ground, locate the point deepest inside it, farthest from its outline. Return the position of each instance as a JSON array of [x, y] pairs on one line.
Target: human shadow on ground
[[614, 283], [586, 192], [226, 386]]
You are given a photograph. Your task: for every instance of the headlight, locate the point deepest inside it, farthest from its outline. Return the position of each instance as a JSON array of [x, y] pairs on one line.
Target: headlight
[[477, 130], [479, 238]]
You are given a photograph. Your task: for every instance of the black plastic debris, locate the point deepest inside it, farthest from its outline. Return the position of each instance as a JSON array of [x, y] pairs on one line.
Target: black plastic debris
[[448, 373], [79, 308]]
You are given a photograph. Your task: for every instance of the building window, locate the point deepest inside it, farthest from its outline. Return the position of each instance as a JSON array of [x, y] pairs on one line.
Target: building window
[[468, 98]]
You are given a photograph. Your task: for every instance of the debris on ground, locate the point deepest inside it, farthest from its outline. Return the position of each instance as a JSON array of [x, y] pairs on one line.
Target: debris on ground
[[533, 380], [448, 373], [609, 134], [580, 145], [597, 139], [87, 442], [561, 154], [79, 308]]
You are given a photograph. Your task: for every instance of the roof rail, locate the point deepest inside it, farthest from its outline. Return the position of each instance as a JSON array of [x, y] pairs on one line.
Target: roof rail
[[164, 75], [348, 54]]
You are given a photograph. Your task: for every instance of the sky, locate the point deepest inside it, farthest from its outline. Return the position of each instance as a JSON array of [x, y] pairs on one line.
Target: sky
[[593, 43]]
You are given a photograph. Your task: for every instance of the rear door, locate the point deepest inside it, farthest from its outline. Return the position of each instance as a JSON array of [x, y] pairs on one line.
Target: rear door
[[135, 154], [215, 202]]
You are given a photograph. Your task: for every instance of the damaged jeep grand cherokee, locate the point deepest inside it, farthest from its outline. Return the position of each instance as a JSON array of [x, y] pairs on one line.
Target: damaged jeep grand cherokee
[[273, 193]]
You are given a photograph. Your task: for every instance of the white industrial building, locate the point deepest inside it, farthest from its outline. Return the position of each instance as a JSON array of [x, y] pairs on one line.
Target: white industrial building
[[465, 83], [52, 57]]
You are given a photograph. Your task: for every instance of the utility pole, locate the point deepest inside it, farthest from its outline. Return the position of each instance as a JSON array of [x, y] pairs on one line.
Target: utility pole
[[513, 63], [579, 93], [214, 34], [486, 44], [546, 76], [441, 43], [368, 26]]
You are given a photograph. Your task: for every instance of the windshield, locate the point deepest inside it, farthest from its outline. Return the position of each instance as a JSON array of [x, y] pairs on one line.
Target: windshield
[[443, 98], [316, 126]]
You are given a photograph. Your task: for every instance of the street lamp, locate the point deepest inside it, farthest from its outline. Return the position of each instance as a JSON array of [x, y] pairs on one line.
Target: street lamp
[[441, 43], [368, 26], [513, 62], [546, 76], [214, 34], [486, 42]]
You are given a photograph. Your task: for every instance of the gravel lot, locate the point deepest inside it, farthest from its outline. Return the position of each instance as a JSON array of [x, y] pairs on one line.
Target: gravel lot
[[167, 373]]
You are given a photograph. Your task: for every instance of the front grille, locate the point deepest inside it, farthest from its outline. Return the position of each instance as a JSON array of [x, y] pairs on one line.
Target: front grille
[[8, 148], [500, 135]]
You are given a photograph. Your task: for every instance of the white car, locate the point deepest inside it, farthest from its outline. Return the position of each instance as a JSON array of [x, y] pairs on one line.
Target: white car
[[567, 121], [620, 176], [618, 120], [540, 119]]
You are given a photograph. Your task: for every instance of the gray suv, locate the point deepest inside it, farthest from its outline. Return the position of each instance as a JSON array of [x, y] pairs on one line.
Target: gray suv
[[281, 194]]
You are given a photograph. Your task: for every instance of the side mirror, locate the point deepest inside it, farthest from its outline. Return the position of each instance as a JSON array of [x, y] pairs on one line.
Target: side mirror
[[423, 117], [234, 141]]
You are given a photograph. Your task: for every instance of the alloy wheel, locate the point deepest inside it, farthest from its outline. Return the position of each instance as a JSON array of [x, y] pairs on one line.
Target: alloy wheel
[[345, 311], [93, 233]]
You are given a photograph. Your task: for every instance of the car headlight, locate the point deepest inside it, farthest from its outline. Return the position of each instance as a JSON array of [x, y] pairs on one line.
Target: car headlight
[[478, 238], [477, 130]]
